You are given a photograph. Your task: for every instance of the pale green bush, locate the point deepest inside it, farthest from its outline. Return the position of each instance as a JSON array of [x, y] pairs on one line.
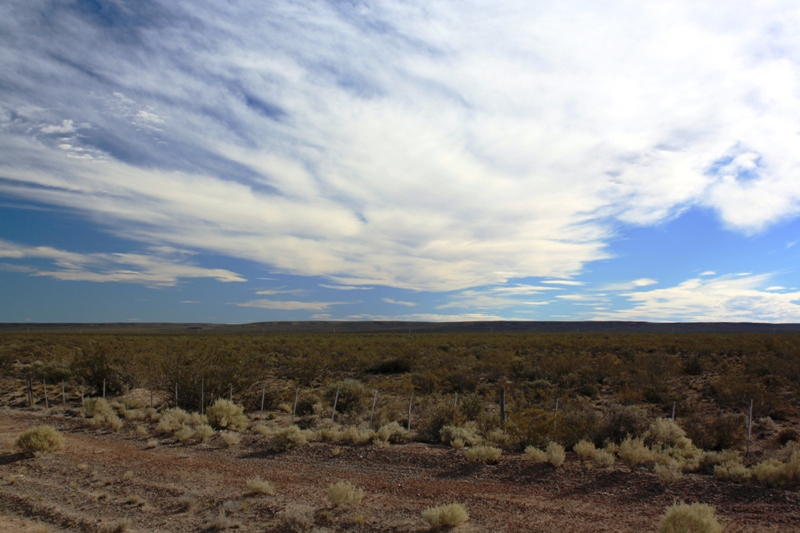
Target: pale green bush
[[225, 414], [585, 450], [230, 438], [175, 418], [40, 439], [468, 434], [483, 454], [102, 414], [634, 452], [451, 515], [689, 518], [288, 438], [603, 458], [345, 493], [555, 454], [256, 485], [535, 454], [184, 434], [392, 432], [203, 432]]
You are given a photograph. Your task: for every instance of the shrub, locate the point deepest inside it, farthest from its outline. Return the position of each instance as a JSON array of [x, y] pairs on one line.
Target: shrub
[[483, 454], [668, 471], [345, 493], [203, 432], [230, 438], [175, 418], [690, 518], [535, 454], [603, 458], [288, 438], [294, 520], [717, 432], [451, 515], [352, 396], [102, 414], [585, 450], [40, 439], [392, 432], [633, 452], [184, 435], [225, 414], [468, 434], [732, 470], [555, 454], [262, 430], [775, 473], [256, 485], [665, 432]]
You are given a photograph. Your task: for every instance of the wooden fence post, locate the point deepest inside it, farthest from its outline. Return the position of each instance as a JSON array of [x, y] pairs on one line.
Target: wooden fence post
[[263, 396], [335, 401], [30, 392], [749, 428], [372, 414], [294, 409], [673, 410], [503, 408], [410, 403]]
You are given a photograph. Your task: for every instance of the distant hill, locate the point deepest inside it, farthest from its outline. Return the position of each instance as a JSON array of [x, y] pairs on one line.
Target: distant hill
[[405, 327]]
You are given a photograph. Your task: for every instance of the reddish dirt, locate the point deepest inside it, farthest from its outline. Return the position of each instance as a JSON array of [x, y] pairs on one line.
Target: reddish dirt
[[85, 487]]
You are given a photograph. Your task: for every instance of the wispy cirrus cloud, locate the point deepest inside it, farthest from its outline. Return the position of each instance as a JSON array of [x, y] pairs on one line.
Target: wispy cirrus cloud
[[398, 302], [155, 270], [427, 146]]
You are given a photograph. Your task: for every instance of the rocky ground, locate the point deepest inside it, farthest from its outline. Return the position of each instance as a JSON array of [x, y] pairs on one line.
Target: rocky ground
[[113, 481]]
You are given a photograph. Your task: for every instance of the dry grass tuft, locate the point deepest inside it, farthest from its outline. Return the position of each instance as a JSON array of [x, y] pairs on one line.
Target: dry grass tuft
[[690, 518], [225, 414], [634, 452], [288, 438], [230, 438], [585, 450], [345, 493], [393, 433], [535, 454], [256, 485], [483, 454], [451, 515], [293, 520], [603, 458], [40, 439], [555, 454]]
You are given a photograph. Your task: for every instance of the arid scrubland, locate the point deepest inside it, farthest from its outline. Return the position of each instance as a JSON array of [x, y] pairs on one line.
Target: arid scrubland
[[600, 402]]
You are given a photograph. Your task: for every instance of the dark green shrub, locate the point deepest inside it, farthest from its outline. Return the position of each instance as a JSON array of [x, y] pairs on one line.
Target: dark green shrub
[[723, 432], [352, 396]]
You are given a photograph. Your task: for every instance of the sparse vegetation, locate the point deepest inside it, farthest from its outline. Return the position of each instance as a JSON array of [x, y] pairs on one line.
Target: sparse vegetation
[[555, 454], [690, 518], [345, 493], [225, 414], [40, 439], [451, 515], [230, 438], [256, 485], [288, 438], [483, 454]]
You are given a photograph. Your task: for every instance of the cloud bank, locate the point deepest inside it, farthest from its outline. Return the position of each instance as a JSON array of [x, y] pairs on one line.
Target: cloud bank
[[420, 145]]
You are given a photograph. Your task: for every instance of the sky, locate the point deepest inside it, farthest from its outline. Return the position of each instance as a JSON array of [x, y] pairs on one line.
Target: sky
[[239, 161]]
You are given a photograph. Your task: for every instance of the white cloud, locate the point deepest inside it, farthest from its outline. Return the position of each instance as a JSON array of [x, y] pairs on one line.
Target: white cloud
[[430, 317], [429, 146], [635, 284], [568, 282], [729, 298], [290, 305], [398, 302], [150, 270], [345, 287]]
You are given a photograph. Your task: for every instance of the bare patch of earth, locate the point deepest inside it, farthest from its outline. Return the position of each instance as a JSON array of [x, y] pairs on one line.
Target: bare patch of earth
[[103, 480]]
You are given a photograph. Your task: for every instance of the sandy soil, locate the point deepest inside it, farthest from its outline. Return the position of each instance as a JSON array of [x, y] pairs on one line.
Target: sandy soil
[[104, 481]]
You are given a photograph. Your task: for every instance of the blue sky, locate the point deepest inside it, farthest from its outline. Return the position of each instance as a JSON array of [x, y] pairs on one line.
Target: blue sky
[[251, 161]]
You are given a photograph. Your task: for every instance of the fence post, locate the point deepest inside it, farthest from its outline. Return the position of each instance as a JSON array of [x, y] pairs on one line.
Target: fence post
[[372, 414], [104, 389], [263, 395], [410, 403], [673, 410], [749, 427], [455, 402], [83, 398], [202, 395], [151, 397], [294, 409], [46, 399], [503, 407], [176, 394], [231, 394], [555, 418], [30, 392], [63, 395], [335, 401], [127, 397]]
